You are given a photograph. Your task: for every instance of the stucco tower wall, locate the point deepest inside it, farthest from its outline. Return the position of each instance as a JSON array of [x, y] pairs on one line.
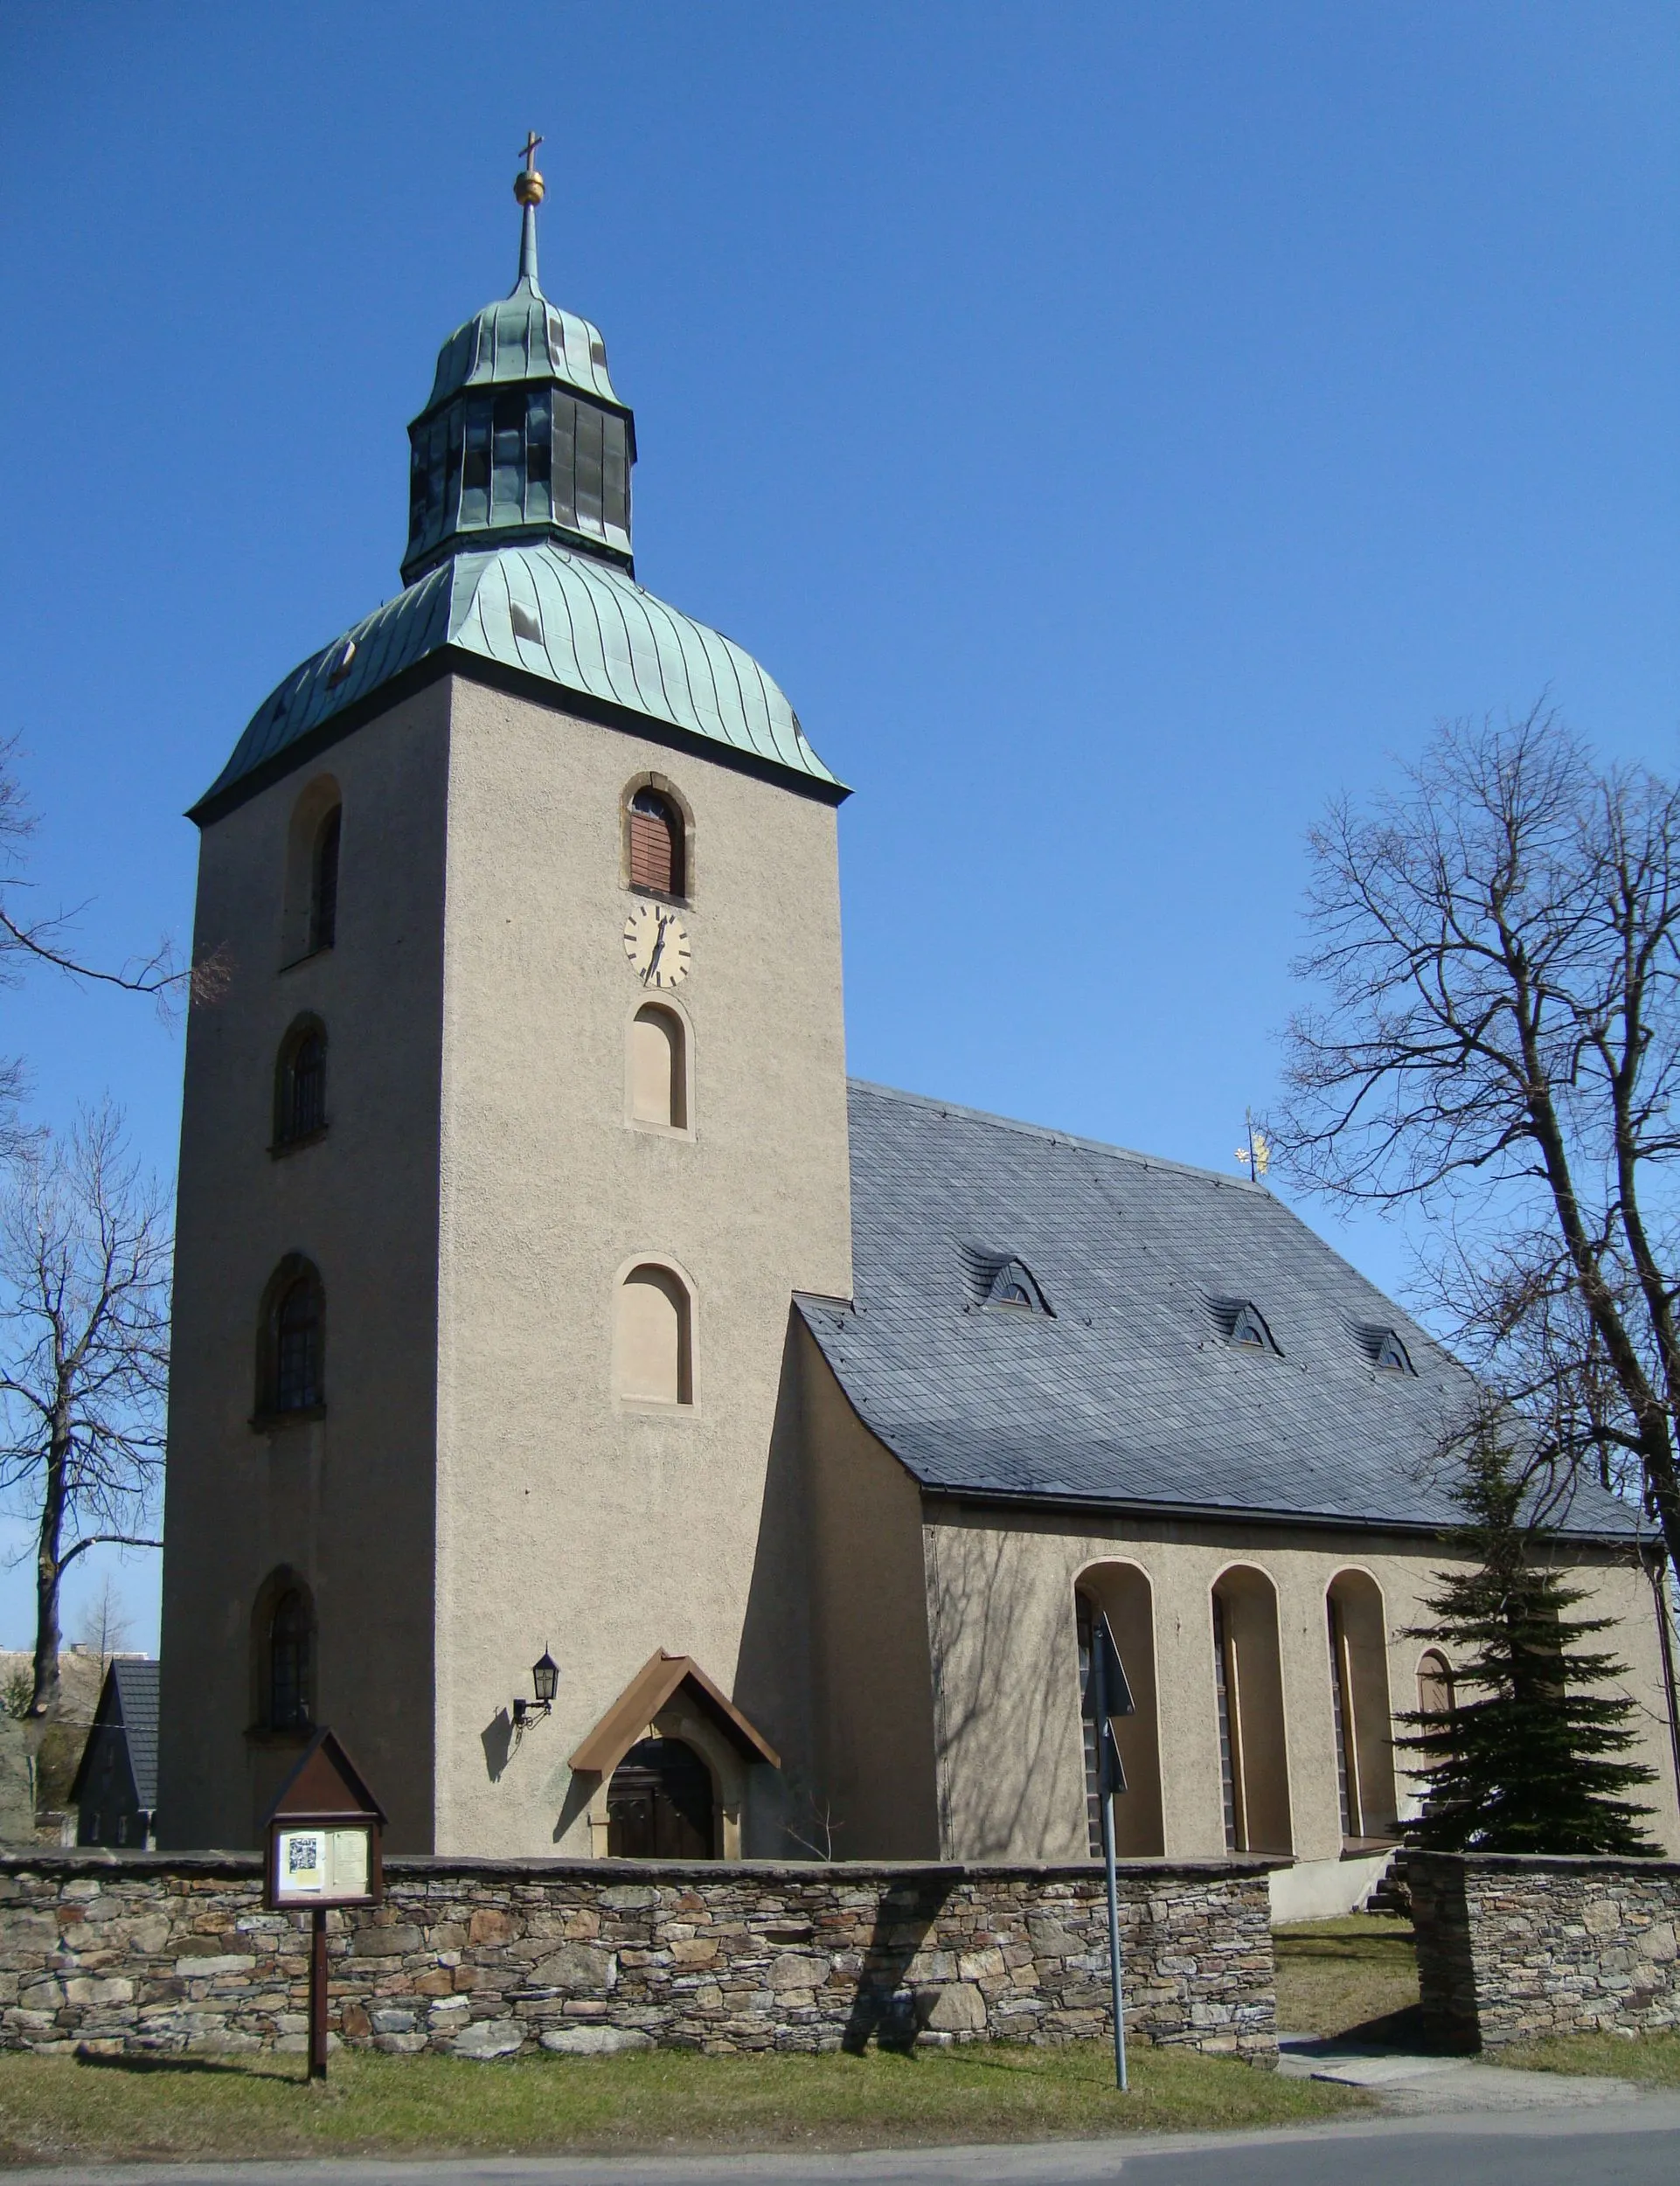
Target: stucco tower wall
[[345, 1499], [568, 1518], [1000, 1593]]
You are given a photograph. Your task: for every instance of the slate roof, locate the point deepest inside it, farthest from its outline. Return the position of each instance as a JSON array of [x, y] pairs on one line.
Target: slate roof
[[127, 1708], [576, 623], [1128, 1391], [136, 1684]]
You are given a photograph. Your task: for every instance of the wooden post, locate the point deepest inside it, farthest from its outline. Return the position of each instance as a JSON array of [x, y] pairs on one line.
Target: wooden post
[[323, 1850], [318, 1992]]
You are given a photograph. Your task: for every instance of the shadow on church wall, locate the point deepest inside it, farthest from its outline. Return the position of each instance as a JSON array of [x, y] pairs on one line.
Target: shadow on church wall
[[773, 1675], [1010, 1765], [496, 1738]]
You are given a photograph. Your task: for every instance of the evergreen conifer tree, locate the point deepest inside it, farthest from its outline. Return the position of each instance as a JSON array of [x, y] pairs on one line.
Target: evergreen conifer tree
[[1526, 1758]]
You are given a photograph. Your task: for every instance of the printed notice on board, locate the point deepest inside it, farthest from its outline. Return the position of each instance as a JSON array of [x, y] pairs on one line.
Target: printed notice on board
[[319, 1863]]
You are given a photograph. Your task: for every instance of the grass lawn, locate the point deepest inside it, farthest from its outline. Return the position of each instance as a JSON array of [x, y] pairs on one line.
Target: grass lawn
[[1654, 2059], [65, 2109], [1348, 1976]]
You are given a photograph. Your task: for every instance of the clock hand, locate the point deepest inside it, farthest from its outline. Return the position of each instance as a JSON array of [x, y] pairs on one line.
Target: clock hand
[[658, 950]]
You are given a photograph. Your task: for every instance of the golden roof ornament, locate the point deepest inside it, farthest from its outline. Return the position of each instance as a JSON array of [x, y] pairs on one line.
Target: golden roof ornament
[[528, 184]]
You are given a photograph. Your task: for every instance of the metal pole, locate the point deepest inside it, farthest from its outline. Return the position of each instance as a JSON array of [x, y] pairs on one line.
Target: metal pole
[[317, 1992], [1106, 1799]]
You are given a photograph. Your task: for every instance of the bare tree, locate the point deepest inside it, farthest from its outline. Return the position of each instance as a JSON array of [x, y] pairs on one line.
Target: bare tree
[[84, 1357], [46, 940], [1497, 950], [103, 1624]]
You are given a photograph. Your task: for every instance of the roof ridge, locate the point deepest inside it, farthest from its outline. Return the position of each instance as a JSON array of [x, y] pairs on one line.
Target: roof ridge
[[1180, 1168], [1063, 1138]]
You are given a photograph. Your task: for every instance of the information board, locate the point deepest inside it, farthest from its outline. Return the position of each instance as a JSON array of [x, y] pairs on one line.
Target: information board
[[322, 1864]]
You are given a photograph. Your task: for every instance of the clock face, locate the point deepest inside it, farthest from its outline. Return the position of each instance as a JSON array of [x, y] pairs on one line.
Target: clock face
[[656, 943]]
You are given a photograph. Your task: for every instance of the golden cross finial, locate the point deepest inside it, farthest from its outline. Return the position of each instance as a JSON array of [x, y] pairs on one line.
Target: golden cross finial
[[528, 183]]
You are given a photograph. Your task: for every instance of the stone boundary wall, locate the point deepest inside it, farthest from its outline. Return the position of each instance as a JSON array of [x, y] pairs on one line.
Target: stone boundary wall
[[134, 1952], [1512, 1946]]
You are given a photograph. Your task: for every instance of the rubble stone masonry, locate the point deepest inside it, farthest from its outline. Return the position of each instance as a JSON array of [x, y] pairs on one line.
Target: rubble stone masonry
[[1511, 1947], [131, 1951]]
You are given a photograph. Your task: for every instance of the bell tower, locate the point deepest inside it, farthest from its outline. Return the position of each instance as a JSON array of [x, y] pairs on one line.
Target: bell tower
[[522, 436], [519, 1122]]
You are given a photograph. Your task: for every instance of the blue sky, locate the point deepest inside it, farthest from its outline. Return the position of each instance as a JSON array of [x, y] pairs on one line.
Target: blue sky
[[1118, 428]]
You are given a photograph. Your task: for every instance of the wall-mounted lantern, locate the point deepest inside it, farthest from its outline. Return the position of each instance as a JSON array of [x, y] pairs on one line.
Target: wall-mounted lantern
[[545, 1677]]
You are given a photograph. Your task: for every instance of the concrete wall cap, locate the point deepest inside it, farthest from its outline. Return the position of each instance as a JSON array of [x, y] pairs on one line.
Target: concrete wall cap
[[96, 1859], [1540, 1863]]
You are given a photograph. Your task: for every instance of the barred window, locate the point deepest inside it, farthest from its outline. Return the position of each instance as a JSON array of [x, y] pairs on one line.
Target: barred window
[[293, 1342], [290, 1637], [300, 1084]]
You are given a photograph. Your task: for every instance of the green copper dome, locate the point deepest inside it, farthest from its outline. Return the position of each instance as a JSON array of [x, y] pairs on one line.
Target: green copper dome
[[575, 622], [519, 567], [522, 437], [523, 336]]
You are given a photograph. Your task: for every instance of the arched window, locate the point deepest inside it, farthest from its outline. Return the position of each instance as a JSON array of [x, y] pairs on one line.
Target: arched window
[[655, 860], [309, 907], [324, 881], [282, 1655], [301, 1083], [291, 1376], [1434, 1684], [658, 1068], [654, 1337], [290, 1666]]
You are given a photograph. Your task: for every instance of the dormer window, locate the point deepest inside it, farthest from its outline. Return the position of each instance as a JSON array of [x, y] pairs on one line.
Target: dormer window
[[1249, 1332], [1384, 1352], [1014, 1289], [995, 1277]]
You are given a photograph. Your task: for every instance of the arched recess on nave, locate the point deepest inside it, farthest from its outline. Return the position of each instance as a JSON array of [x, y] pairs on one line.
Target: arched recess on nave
[[1248, 1698], [1121, 1591], [1357, 1632]]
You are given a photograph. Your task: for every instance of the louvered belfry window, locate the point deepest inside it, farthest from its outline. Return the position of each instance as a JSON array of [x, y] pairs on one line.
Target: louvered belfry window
[[655, 843]]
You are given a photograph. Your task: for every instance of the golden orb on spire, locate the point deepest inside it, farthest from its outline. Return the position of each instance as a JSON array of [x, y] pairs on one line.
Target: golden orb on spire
[[528, 183]]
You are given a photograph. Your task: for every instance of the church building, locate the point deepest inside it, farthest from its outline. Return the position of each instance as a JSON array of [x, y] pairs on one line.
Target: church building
[[632, 1437]]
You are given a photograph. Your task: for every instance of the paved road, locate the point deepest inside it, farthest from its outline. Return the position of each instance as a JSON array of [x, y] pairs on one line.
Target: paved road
[[1621, 2144]]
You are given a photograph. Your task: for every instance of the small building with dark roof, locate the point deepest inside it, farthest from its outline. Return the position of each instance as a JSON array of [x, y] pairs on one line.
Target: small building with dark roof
[[114, 1792]]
